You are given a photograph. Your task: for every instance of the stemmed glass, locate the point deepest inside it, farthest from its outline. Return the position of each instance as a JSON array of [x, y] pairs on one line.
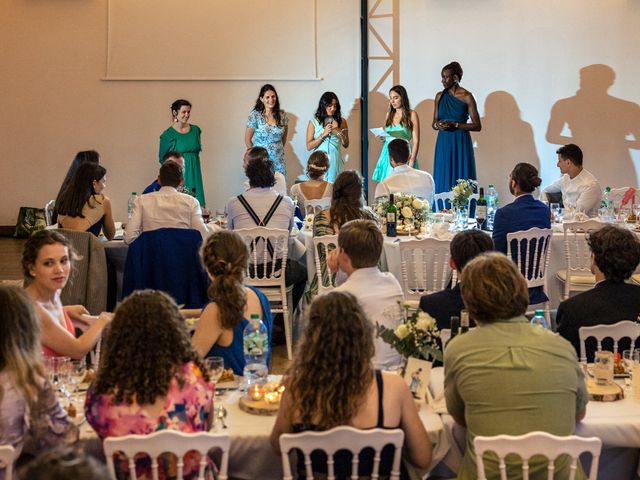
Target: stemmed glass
[[629, 359], [77, 373], [215, 365]]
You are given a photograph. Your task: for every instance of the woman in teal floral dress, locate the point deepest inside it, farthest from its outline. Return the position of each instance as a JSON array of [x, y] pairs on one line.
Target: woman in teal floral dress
[[267, 127], [162, 385]]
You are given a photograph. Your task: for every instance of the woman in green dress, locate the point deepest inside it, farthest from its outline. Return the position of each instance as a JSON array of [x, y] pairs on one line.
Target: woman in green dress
[[184, 137], [401, 122]]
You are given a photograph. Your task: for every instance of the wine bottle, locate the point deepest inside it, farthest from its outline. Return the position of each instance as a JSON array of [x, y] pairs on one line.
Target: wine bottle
[[464, 322], [481, 210], [392, 217]]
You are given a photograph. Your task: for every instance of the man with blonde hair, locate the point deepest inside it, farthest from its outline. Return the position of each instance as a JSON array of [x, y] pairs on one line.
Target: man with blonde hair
[[497, 376]]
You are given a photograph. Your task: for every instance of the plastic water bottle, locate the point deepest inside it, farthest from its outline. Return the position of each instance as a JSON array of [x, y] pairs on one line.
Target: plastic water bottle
[[256, 347], [132, 199], [538, 319], [492, 205], [607, 205]]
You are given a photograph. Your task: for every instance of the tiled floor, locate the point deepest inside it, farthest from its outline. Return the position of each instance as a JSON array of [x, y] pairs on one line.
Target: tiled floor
[[10, 269]]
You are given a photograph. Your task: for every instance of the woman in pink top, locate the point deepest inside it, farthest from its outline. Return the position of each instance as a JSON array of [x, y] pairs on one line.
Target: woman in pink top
[[150, 378], [47, 259]]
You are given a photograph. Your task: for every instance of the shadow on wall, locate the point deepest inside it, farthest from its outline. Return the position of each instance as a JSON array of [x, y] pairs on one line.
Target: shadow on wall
[[294, 167], [350, 154], [428, 135], [603, 126], [505, 139]]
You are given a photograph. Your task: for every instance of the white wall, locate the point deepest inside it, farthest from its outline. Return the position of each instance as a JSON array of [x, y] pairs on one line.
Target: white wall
[[55, 103], [520, 58]]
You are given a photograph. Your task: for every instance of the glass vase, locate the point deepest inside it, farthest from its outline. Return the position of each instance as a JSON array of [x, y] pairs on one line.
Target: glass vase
[[461, 217]]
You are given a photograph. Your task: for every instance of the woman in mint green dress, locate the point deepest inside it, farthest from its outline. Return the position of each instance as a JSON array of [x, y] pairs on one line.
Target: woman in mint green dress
[[401, 122], [185, 138], [328, 132]]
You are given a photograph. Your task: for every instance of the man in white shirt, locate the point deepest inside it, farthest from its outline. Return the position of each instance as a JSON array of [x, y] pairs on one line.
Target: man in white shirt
[[580, 189], [379, 293], [166, 208], [405, 179], [281, 182], [262, 204]]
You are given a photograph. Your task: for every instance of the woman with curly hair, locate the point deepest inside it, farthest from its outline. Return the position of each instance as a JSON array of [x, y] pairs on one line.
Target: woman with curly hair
[[346, 205], [150, 378], [47, 259], [221, 324], [29, 410], [332, 383], [82, 205]]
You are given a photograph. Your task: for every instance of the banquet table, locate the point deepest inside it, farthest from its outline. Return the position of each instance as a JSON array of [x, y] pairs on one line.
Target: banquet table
[[617, 424], [251, 455]]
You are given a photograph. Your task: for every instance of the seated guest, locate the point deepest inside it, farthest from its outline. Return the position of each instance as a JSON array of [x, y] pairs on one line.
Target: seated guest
[[332, 383], [219, 330], [166, 208], [30, 414], [261, 205], [379, 293], [83, 207], [580, 189], [174, 157], [47, 259], [523, 213], [405, 179], [65, 463], [87, 156], [279, 187], [464, 247], [316, 187], [507, 376], [346, 205], [150, 378], [615, 254]]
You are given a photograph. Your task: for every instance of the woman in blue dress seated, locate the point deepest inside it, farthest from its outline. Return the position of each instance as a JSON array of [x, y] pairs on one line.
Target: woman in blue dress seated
[[454, 106], [332, 384], [221, 324], [82, 205]]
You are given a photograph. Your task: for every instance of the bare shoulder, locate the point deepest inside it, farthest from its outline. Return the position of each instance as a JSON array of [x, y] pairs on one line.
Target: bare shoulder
[[393, 384], [438, 95]]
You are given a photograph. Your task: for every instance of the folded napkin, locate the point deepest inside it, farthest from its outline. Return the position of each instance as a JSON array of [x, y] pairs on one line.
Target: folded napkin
[[441, 231]]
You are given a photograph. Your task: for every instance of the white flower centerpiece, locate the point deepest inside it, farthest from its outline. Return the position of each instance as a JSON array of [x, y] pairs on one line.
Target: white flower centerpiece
[[417, 337], [412, 211]]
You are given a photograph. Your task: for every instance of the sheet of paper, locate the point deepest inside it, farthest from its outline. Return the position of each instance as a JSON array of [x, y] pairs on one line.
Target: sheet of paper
[[379, 132]]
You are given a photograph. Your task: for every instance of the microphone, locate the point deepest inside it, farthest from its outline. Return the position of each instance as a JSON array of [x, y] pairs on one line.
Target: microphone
[[328, 121]]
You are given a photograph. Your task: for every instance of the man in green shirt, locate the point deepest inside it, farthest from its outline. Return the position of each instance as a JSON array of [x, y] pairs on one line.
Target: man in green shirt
[[508, 376]]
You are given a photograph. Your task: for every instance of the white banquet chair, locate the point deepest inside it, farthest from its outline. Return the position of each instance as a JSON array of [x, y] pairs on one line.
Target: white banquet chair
[[266, 271], [171, 441], [537, 443], [313, 207], [424, 266], [577, 276], [615, 331], [342, 438], [7, 455], [440, 201], [49, 208], [531, 248], [321, 246]]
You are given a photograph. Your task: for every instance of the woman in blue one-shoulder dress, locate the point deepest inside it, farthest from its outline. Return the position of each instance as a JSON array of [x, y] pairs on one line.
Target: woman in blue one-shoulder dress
[[454, 106]]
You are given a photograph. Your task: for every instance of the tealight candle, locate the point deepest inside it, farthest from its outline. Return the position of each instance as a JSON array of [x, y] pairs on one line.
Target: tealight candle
[[272, 397], [255, 392]]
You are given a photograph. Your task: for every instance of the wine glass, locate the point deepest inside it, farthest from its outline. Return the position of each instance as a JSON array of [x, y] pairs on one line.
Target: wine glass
[[215, 365], [77, 374]]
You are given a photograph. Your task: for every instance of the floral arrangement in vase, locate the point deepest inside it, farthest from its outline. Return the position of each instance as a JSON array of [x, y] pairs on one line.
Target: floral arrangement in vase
[[411, 209], [462, 191], [417, 337]]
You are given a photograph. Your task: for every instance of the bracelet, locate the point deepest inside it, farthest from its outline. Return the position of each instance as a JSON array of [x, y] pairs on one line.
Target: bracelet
[[435, 126], [457, 124]]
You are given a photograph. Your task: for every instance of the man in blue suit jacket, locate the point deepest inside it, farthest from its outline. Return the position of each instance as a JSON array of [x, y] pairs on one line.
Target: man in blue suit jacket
[[523, 213]]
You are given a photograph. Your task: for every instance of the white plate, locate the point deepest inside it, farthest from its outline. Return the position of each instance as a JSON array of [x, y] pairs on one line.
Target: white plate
[[237, 381]]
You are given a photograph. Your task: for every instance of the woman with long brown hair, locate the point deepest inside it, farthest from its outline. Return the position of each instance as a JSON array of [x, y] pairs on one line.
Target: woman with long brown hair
[[47, 260], [28, 405], [401, 122], [332, 383], [150, 378], [219, 331]]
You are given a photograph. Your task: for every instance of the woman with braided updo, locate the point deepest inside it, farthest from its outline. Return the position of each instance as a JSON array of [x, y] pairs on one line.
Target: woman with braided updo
[[219, 331]]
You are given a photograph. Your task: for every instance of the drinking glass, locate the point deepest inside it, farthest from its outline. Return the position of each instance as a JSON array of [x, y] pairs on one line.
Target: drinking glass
[[255, 373], [206, 215], [215, 365], [554, 208], [603, 368], [76, 374]]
